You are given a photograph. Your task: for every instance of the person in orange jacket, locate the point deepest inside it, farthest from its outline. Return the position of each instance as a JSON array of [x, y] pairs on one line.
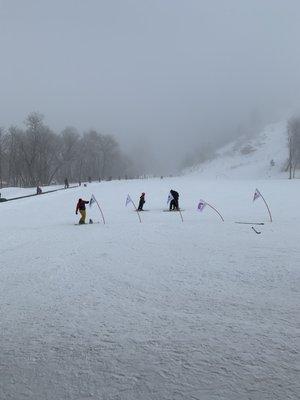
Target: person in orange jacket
[[81, 208]]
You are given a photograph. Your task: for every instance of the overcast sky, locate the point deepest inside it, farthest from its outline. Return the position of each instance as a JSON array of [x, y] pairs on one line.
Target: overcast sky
[[174, 72]]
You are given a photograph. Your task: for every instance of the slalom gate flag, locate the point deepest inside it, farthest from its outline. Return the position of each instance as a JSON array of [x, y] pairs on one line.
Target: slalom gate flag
[[256, 194], [93, 200], [201, 205], [128, 200], [170, 198]]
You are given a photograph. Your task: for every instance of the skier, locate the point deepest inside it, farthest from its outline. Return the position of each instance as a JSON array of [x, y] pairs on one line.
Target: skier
[[66, 183], [141, 202], [81, 208], [38, 190], [174, 205]]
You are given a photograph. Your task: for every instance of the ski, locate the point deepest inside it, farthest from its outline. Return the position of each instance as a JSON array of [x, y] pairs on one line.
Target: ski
[[256, 231], [250, 223]]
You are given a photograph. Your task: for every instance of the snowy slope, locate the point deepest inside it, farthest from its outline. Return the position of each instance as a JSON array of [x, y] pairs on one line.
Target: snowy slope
[[250, 158], [153, 310]]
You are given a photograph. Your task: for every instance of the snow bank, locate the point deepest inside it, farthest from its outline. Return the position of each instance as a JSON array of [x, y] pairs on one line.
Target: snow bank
[[11, 192]]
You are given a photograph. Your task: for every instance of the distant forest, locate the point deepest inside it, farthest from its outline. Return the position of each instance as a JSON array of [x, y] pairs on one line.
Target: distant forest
[[36, 155]]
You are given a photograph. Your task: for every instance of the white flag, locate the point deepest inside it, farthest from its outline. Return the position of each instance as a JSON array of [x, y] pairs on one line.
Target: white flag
[[256, 194], [201, 205], [170, 198], [93, 200], [128, 200]]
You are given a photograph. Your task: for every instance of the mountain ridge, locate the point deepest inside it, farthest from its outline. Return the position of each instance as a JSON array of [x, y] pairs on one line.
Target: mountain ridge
[[259, 157]]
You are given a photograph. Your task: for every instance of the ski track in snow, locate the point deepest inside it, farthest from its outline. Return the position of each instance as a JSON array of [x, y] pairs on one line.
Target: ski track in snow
[[157, 310]]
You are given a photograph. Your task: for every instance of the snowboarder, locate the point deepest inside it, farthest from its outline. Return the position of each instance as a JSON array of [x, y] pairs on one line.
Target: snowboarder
[[81, 208], [174, 204], [141, 202]]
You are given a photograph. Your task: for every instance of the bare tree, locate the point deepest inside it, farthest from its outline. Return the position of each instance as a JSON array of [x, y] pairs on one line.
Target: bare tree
[[1, 155], [36, 155], [293, 130], [67, 155]]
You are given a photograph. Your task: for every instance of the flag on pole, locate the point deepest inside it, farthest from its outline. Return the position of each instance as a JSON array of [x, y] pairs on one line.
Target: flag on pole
[[201, 205], [170, 198], [93, 200], [256, 194], [128, 200]]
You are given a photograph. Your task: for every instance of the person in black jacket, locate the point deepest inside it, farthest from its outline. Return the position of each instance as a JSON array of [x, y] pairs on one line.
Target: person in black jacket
[[174, 203], [141, 202], [81, 208]]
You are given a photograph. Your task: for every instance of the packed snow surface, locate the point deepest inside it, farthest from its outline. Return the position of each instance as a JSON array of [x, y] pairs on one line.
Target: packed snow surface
[[161, 309]]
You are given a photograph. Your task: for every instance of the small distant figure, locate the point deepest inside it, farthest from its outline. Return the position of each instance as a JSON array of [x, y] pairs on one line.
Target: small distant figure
[[84, 184], [66, 183], [82, 210], [90, 179], [272, 163], [141, 202], [174, 203], [38, 190], [79, 183]]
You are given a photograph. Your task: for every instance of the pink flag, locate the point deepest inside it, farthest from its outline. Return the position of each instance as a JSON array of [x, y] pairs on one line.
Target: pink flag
[[256, 194]]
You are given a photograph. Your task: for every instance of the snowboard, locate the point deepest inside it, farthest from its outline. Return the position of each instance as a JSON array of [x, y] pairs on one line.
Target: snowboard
[[95, 222], [173, 210]]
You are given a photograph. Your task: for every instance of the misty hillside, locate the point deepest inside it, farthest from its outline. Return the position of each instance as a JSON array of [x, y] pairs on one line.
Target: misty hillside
[[250, 158]]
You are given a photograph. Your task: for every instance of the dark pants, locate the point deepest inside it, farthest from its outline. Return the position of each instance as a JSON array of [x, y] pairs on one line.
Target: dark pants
[[141, 204], [174, 205]]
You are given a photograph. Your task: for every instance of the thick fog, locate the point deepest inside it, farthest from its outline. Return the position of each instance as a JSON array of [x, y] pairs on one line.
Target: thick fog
[[166, 77]]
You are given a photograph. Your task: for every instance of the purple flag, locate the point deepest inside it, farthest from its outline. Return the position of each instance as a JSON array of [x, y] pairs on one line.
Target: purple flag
[[201, 205]]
